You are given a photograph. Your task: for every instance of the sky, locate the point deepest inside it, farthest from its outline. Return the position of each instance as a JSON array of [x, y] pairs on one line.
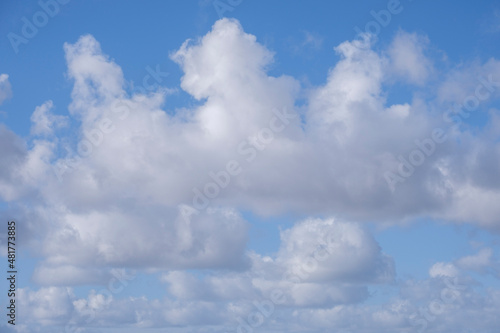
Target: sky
[[250, 166]]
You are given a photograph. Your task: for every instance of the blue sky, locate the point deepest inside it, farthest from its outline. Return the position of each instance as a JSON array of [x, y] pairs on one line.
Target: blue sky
[[211, 155]]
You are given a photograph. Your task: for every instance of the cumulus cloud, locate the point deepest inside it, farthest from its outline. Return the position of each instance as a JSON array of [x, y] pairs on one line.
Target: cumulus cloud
[[161, 239], [437, 304], [46, 306], [345, 141], [335, 251], [320, 263], [139, 186], [330, 159], [331, 266]]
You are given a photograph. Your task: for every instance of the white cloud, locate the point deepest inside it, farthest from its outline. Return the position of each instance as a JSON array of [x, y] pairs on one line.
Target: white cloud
[[470, 80], [135, 163], [437, 304], [46, 306], [228, 68], [5, 88], [407, 58], [328, 250], [96, 78], [482, 262], [154, 239], [220, 297], [121, 201], [443, 269], [13, 151], [345, 145], [44, 122], [320, 263]]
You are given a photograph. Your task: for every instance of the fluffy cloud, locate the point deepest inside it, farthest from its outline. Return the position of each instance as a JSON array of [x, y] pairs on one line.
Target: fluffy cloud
[[134, 164], [46, 306], [44, 122], [344, 141], [147, 237], [320, 263], [138, 186], [408, 59], [221, 303], [334, 251], [331, 265]]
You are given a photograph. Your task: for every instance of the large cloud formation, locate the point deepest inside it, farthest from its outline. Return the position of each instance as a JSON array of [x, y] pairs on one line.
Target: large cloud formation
[[152, 189]]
